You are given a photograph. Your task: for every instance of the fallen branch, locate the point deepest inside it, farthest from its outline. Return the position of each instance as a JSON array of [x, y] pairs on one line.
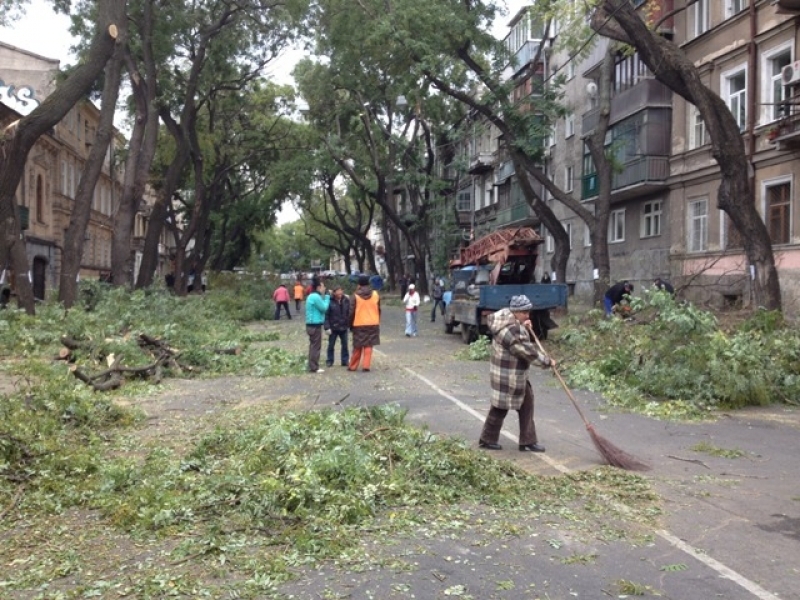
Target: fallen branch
[[14, 502], [691, 460]]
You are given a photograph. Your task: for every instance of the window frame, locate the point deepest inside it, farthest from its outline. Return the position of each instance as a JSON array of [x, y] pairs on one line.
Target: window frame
[[766, 185], [616, 226], [770, 110], [700, 18], [656, 216], [696, 120], [569, 176], [691, 220], [725, 80], [729, 9]]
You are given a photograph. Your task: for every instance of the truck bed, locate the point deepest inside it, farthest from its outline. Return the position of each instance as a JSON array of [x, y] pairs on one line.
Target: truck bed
[[543, 295]]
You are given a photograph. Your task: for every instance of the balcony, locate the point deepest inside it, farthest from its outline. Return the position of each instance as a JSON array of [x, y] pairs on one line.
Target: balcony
[[523, 56], [503, 172], [788, 6], [639, 177], [647, 93], [516, 214], [481, 162], [786, 132]]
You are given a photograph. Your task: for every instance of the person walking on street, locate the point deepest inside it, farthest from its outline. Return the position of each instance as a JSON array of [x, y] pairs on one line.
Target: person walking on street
[[317, 305], [615, 295], [411, 302], [438, 298], [337, 322], [281, 298], [298, 294], [513, 351], [365, 321]]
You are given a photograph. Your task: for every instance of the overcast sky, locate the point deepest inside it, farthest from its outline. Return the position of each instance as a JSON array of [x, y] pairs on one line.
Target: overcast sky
[[45, 33]]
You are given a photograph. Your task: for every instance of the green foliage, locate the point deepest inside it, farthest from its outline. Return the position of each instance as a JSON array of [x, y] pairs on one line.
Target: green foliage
[[707, 448], [480, 349], [675, 360]]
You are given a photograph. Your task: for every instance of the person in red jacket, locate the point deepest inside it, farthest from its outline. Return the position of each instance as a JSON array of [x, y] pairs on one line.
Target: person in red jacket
[[281, 298]]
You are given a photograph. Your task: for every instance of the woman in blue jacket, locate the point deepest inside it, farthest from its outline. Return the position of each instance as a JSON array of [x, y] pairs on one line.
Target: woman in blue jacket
[[317, 305]]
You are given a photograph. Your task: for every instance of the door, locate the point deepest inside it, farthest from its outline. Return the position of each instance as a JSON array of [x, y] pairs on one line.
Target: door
[[39, 275]]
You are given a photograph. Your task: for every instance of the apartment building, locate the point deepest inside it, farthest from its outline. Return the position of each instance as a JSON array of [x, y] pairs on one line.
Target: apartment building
[[46, 193], [746, 52], [664, 221]]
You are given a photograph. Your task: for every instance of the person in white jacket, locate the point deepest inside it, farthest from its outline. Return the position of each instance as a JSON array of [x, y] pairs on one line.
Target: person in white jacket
[[411, 302]]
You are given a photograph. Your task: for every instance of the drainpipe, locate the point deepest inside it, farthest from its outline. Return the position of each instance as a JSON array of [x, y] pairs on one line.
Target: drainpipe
[[751, 80], [752, 105]]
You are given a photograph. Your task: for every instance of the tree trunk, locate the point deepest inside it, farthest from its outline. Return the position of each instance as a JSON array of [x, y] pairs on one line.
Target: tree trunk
[[14, 154], [558, 263], [735, 196], [140, 156], [81, 210]]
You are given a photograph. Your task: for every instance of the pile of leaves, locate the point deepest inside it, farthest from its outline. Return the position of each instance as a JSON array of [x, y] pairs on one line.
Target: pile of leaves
[[674, 359], [262, 495], [201, 327]]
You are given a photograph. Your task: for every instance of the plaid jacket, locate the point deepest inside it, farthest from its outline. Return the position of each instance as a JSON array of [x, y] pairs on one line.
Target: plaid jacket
[[513, 352]]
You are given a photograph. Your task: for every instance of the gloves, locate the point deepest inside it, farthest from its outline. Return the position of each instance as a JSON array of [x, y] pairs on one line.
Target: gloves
[[543, 359], [327, 331]]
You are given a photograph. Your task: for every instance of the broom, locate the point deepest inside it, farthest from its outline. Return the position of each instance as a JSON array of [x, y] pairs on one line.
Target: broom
[[614, 456]]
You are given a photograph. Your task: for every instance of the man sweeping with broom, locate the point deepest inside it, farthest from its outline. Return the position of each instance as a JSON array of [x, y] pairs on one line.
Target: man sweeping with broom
[[513, 351]]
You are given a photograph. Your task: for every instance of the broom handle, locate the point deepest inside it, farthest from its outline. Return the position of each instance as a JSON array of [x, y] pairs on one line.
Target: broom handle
[[560, 379]]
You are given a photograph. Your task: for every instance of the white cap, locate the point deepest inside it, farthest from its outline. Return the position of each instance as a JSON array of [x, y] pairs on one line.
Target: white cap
[[412, 287]]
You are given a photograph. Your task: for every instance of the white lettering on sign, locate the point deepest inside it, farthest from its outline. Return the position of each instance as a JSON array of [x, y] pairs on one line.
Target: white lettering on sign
[[19, 99]]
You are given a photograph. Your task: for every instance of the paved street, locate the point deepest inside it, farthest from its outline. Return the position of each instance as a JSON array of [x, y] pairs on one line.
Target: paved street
[[732, 526]]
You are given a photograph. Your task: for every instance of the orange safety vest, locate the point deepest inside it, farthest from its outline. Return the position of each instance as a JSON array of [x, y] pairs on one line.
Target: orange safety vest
[[298, 291], [367, 311]]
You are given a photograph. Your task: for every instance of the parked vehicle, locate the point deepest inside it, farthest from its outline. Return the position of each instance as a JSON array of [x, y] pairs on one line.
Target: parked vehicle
[[492, 270]]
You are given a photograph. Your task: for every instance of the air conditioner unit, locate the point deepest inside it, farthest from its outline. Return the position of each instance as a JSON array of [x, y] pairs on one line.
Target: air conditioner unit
[[791, 73]]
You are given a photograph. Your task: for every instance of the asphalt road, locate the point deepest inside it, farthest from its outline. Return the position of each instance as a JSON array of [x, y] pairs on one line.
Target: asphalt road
[[733, 525]]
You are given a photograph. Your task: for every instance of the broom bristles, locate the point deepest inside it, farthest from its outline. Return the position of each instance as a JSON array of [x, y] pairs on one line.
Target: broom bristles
[[614, 456]]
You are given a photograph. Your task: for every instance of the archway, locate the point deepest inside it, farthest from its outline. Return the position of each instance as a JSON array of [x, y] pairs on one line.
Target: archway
[[39, 277]]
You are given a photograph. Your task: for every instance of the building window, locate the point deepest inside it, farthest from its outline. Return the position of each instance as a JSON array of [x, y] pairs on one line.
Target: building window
[[698, 226], [779, 211], [568, 229], [776, 92], [651, 219], [735, 90], [570, 126], [569, 176], [587, 237], [39, 199], [549, 243], [734, 7], [464, 203], [616, 226], [697, 129], [571, 70], [700, 13]]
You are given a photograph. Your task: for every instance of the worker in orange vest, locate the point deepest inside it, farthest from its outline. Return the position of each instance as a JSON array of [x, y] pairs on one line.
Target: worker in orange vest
[[365, 321], [299, 294]]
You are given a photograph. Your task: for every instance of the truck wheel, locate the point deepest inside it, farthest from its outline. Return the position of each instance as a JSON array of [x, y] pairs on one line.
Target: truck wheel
[[466, 333], [448, 326]]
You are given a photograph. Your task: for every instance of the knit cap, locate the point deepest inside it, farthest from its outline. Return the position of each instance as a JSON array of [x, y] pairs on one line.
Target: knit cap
[[520, 303]]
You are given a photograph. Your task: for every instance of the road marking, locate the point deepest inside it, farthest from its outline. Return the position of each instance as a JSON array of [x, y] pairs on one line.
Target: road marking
[[543, 457], [726, 572], [671, 539]]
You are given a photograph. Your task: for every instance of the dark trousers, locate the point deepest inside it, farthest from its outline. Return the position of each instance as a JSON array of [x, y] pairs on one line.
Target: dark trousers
[[297, 304], [527, 428], [345, 353], [314, 346], [278, 306], [436, 303]]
